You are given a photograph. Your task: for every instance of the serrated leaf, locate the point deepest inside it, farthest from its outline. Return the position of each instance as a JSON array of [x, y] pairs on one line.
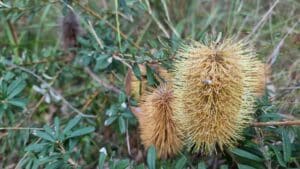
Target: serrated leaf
[[151, 157], [82, 131], [72, 123], [245, 154], [15, 87], [180, 163], [122, 124], [43, 135]]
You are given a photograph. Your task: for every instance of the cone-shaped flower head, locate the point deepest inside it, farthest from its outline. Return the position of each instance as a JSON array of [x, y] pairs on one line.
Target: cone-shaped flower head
[[156, 122], [215, 87]]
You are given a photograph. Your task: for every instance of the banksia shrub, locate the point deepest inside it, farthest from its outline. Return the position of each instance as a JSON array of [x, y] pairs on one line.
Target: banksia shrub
[[156, 122], [215, 87]]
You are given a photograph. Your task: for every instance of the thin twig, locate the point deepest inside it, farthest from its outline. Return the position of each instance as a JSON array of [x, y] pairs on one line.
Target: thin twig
[[159, 24], [101, 82], [92, 30], [70, 160], [95, 14], [273, 56], [51, 89], [90, 99], [263, 20], [276, 123], [122, 60], [118, 23], [127, 139]]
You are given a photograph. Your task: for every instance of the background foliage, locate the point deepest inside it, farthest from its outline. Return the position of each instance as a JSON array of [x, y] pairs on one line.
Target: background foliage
[[68, 108]]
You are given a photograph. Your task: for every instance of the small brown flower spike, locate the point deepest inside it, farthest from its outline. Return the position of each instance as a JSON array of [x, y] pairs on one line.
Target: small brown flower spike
[[156, 122], [215, 87]]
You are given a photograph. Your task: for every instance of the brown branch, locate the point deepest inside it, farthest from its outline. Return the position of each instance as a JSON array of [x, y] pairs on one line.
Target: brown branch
[[108, 86], [90, 99], [276, 123]]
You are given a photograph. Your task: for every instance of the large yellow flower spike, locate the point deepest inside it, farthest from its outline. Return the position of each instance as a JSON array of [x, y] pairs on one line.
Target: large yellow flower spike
[[215, 87]]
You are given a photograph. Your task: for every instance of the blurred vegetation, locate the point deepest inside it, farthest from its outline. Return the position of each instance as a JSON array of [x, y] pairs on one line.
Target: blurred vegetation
[[67, 106]]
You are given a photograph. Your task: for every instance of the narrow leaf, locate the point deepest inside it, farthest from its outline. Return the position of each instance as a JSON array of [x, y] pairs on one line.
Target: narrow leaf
[[278, 156], [72, 123], [43, 135], [286, 146], [151, 157], [180, 163], [18, 102], [122, 124], [83, 131], [245, 154], [15, 87]]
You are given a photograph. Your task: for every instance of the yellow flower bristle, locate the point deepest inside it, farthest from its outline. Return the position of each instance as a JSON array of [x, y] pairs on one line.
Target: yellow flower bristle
[[156, 122], [215, 87]]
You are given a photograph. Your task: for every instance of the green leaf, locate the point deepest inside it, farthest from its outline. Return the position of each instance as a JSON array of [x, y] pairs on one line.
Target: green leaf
[[224, 166], [43, 135], [245, 154], [102, 62], [137, 72], [83, 131], [122, 97], [180, 163], [15, 87], [286, 145], [151, 157], [49, 130], [201, 165], [56, 126], [36, 147], [101, 160], [242, 166], [278, 156], [71, 124], [122, 164], [122, 124], [150, 76], [18, 102], [110, 120]]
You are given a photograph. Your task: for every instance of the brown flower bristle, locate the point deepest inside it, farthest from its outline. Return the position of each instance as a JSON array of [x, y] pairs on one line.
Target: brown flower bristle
[[156, 122], [215, 87]]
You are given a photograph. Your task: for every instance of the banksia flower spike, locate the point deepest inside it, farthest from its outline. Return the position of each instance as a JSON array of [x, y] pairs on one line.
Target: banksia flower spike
[[215, 87], [156, 122]]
